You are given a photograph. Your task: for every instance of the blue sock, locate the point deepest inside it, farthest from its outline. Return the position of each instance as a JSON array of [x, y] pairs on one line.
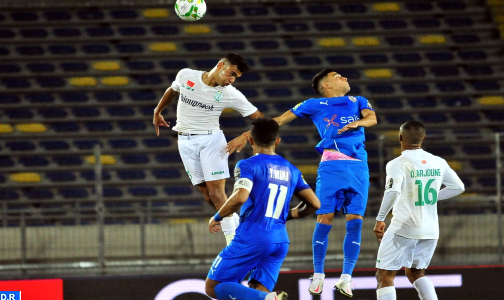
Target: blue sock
[[320, 240], [234, 290], [351, 245]]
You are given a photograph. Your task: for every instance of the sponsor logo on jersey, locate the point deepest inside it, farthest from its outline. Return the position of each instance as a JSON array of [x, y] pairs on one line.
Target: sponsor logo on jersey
[[217, 172], [352, 98], [331, 121], [190, 83], [218, 96], [325, 103], [424, 162], [195, 103], [349, 119], [237, 173]]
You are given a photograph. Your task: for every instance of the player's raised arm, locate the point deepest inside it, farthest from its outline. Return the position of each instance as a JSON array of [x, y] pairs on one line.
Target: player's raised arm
[[166, 100], [368, 120]]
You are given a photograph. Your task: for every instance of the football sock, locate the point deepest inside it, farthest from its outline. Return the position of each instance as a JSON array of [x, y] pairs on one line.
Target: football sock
[[234, 290], [320, 241], [386, 293], [351, 245], [425, 289]]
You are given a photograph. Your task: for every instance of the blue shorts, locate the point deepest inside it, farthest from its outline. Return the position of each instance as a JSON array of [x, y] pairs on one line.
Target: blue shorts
[[343, 185], [236, 260]]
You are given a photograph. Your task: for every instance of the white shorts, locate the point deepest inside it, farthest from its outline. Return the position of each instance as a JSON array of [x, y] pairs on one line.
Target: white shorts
[[396, 252], [204, 156]]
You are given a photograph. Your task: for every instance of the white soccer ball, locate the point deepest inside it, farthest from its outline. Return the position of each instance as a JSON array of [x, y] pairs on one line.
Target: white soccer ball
[[190, 10]]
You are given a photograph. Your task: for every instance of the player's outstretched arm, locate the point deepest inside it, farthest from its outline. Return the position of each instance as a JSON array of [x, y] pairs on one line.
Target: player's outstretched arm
[[453, 186], [368, 120], [166, 100], [309, 204], [233, 204], [239, 142]]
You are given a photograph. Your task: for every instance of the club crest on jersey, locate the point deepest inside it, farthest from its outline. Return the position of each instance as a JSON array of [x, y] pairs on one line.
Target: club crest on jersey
[[352, 98], [390, 184], [218, 96]]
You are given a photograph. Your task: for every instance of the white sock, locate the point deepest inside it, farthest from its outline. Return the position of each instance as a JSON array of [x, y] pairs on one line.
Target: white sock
[[386, 293], [236, 219], [228, 226], [345, 277], [425, 289]]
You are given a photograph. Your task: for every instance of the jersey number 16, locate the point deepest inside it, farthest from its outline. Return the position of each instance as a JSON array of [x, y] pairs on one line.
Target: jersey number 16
[[426, 196]]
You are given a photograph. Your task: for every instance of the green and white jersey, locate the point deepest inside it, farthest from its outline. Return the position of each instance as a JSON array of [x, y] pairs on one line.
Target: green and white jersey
[[417, 176]]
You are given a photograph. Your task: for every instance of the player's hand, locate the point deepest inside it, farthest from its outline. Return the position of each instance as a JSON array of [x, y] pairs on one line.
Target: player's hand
[[158, 121], [236, 144], [214, 226], [379, 229], [348, 127]]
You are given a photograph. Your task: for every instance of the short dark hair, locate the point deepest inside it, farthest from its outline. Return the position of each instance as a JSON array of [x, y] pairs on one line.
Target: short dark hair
[[264, 131], [413, 132], [238, 61], [316, 80]]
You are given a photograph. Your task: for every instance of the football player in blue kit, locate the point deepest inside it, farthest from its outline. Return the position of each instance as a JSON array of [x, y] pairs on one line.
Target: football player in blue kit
[[343, 174], [263, 189]]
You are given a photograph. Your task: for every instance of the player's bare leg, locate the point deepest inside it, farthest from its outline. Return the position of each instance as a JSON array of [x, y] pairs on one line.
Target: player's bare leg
[[422, 284], [386, 289]]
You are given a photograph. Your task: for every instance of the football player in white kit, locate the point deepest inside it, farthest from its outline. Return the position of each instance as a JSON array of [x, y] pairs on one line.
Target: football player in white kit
[[202, 98], [412, 190]]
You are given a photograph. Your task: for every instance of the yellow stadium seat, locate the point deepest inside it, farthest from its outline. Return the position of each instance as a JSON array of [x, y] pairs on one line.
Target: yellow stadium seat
[[6, 128], [25, 177], [106, 65], [332, 42], [499, 18], [455, 165], [386, 6], [105, 159], [378, 73], [495, 2], [163, 47], [156, 13], [197, 29], [491, 100], [115, 80], [397, 151], [308, 169], [366, 41], [183, 221], [83, 81], [228, 110], [391, 135], [432, 39], [32, 127]]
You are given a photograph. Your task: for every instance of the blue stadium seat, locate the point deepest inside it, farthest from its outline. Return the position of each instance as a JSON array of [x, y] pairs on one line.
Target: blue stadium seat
[[407, 57], [353, 8], [6, 162], [165, 30], [229, 28], [9, 99], [65, 127], [8, 195], [287, 10], [222, 11], [90, 15], [411, 72], [477, 149], [34, 161], [74, 97], [122, 143], [73, 193], [380, 88], [472, 55], [68, 160], [414, 87], [131, 174], [418, 6], [277, 61], [208, 63], [90, 175], [433, 117], [132, 31], [441, 150], [467, 134], [96, 49], [108, 96], [320, 9], [233, 122], [426, 23], [450, 86], [340, 59], [265, 44], [298, 44], [20, 146], [142, 191], [307, 91], [10, 68], [57, 15], [231, 45], [483, 164], [129, 48], [60, 50], [85, 112], [399, 40], [168, 158], [135, 159], [166, 174], [37, 33], [327, 26], [39, 194], [262, 27], [294, 139], [439, 56], [303, 122], [74, 67], [486, 181], [140, 65], [60, 176], [124, 14], [254, 11], [100, 31], [398, 119], [278, 92], [132, 125], [24, 16], [393, 24], [473, 70], [142, 95], [249, 93], [148, 79], [7, 33], [422, 102], [30, 50], [459, 22], [15, 83], [54, 145], [452, 5], [197, 46], [361, 25], [51, 82], [250, 77], [304, 154], [486, 85], [18, 113], [495, 115], [99, 126], [120, 111], [307, 60], [4, 51], [177, 190], [465, 38], [442, 71], [156, 142], [388, 103], [112, 193], [466, 117], [295, 27], [348, 73], [374, 58], [39, 98], [280, 76], [174, 64]]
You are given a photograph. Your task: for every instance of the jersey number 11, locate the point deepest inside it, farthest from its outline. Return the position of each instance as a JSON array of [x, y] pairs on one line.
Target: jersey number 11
[[275, 213]]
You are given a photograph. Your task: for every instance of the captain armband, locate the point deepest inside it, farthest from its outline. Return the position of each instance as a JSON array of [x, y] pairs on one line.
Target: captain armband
[[243, 183]]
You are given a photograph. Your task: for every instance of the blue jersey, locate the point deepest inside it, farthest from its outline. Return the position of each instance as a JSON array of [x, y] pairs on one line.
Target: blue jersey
[[263, 215], [331, 114]]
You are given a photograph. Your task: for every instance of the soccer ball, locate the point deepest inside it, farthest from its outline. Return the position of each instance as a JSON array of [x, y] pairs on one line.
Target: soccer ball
[[190, 10]]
